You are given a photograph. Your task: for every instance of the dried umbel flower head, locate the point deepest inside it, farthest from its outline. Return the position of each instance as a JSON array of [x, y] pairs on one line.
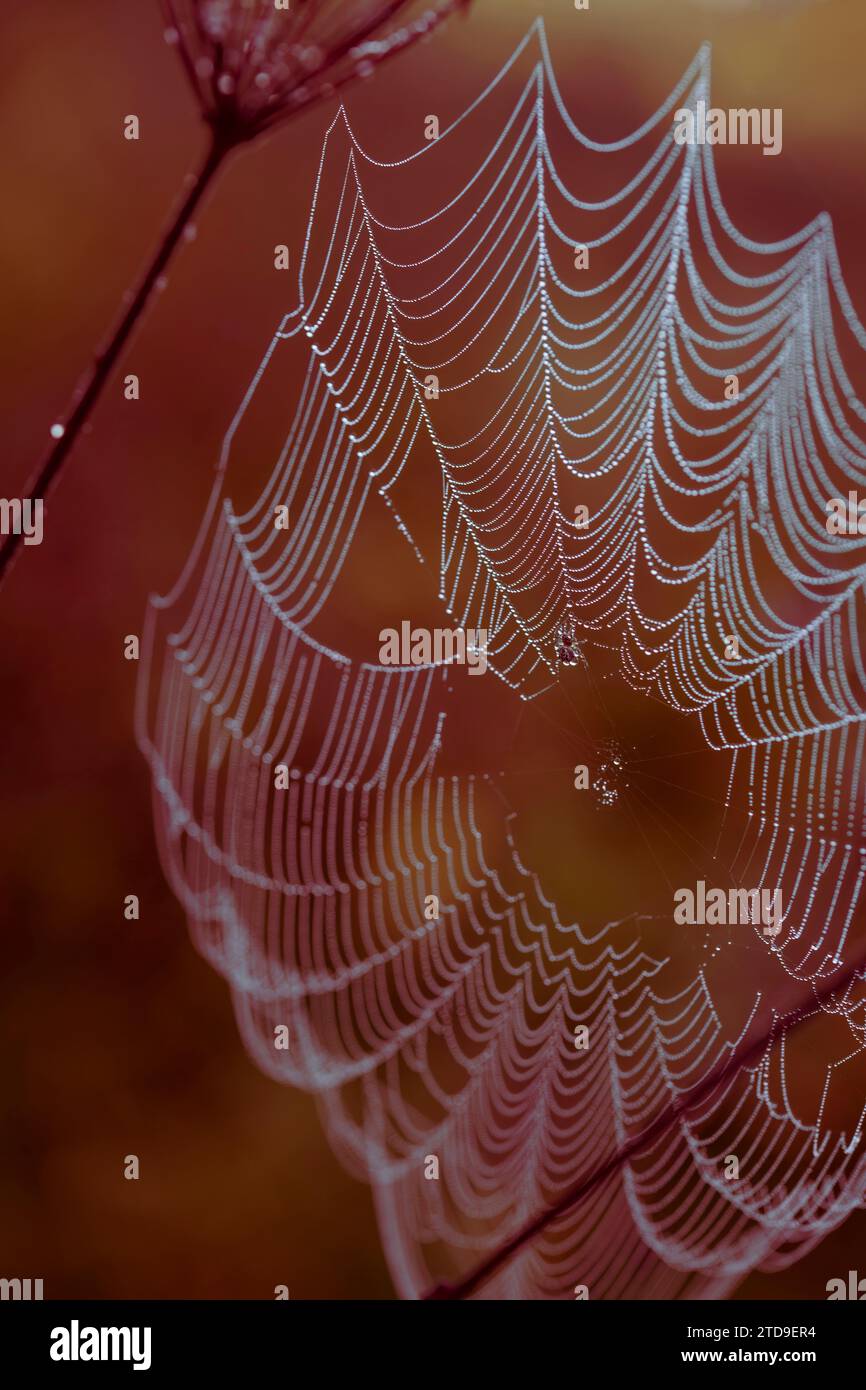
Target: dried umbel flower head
[[252, 63]]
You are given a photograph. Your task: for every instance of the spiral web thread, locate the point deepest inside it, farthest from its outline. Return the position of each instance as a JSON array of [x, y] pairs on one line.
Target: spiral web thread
[[456, 1037]]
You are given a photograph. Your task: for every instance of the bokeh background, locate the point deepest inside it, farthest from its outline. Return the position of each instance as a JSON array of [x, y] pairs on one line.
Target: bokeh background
[[115, 1037]]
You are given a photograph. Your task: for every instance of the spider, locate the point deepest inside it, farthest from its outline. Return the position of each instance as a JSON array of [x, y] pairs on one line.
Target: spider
[[568, 652]]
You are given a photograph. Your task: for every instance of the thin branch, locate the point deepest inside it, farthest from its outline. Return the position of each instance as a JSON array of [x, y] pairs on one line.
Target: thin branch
[[104, 361], [189, 68]]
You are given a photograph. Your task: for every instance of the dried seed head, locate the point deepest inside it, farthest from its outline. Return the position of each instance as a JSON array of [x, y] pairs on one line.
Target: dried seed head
[[252, 64]]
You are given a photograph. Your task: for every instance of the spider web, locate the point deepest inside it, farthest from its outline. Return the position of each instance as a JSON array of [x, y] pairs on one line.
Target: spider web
[[461, 349]]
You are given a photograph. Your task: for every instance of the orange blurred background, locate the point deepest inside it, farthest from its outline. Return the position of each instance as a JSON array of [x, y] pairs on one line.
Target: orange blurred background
[[116, 1037]]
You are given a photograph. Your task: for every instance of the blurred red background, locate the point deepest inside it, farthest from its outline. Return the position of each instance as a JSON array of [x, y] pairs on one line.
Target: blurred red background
[[116, 1038]]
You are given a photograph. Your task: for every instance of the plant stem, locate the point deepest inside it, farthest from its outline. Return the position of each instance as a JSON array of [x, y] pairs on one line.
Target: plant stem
[[91, 385]]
